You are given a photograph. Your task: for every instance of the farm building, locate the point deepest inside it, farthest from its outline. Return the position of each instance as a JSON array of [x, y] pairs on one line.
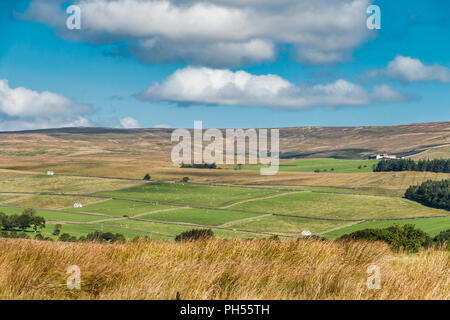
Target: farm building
[[50, 173], [78, 205]]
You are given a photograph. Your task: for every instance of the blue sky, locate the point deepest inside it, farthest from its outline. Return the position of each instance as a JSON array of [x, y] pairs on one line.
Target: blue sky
[[266, 73]]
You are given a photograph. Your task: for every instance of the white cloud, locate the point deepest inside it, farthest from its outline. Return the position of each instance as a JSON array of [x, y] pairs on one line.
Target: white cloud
[[218, 32], [23, 108], [163, 126], [224, 87], [384, 93], [129, 123], [408, 69]]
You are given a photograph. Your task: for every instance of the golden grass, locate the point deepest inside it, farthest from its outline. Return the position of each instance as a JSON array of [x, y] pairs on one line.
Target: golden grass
[[218, 269], [63, 184]]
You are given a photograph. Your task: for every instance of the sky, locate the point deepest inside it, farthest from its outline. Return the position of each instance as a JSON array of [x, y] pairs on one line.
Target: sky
[[228, 63]]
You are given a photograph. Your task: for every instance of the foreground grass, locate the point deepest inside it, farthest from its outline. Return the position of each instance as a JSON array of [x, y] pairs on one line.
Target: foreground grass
[[217, 269]]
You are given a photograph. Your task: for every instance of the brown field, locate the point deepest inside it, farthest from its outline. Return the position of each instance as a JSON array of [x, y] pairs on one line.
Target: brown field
[[234, 269]]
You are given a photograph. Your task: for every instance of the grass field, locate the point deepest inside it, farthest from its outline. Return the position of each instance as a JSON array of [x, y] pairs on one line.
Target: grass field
[[430, 225], [199, 216], [62, 184], [188, 194], [53, 215], [120, 208], [287, 225], [325, 165], [78, 230], [340, 206], [51, 202]]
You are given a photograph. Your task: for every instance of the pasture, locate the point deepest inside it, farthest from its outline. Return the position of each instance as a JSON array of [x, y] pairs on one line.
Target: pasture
[[325, 165]]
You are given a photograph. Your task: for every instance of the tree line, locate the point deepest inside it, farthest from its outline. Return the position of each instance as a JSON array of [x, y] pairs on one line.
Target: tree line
[[436, 165], [431, 193], [28, 219]]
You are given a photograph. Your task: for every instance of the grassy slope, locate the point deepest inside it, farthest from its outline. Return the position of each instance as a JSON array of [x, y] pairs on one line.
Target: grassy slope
[[199, 216], [62, 184], [52, 215], [340, 206], [119, 208], [52, 202], [236, 269], [188, 194], [287, 225], [339, 165]]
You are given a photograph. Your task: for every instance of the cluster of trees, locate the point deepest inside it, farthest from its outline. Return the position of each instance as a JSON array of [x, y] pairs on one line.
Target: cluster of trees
[[27, 219], [437, 165], [405, 237], [199, 165], [96, 236], [431, 193]]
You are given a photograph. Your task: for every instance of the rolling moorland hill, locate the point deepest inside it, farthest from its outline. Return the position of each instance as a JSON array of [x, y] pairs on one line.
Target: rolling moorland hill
[[295, 142]]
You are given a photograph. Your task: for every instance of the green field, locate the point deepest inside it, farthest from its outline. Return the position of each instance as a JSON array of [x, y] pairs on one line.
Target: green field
[[431, 226], [79, 230], [341, 206], [287, 225], [188, 194], [328, 164], [120, 208], [171, 229], [53, 215], [51, 201], [199, 216]]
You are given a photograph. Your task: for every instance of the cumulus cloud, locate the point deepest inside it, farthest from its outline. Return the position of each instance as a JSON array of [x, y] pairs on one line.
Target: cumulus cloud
[[225, 87], [129, 123], [163, 126], [22, 108], [408, 69], [219, 33]]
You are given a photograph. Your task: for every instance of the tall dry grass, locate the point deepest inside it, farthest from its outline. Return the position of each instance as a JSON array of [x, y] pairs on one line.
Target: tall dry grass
[[219, 269]]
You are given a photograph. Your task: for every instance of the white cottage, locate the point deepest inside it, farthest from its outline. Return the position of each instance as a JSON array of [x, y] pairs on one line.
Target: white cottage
[[306, 233], [50, 173], [78, 205]]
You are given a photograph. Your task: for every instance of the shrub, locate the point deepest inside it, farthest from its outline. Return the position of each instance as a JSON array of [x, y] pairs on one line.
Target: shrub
[[398, 237], [147, 177], [57, 229], [195, 234], [185, 179], [442, 238]]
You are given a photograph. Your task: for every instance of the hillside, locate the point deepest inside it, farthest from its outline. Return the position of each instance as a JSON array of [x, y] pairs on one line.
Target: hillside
[[319, 142]]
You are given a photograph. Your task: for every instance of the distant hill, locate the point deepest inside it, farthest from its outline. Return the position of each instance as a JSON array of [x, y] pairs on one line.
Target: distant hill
[[295, 142]]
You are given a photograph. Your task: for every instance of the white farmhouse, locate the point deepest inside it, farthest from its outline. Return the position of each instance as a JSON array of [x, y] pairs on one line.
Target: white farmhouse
[[306, 233], [78, 205], [50, 173]]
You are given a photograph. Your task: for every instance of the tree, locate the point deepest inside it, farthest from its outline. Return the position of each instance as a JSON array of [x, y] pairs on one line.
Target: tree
[[185, 179], [57, 229], [147, 177], [37, 222]]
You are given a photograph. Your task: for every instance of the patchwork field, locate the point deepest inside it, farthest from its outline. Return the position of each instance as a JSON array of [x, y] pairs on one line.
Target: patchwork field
[[94, 167], [340, 206], [188, 194]]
